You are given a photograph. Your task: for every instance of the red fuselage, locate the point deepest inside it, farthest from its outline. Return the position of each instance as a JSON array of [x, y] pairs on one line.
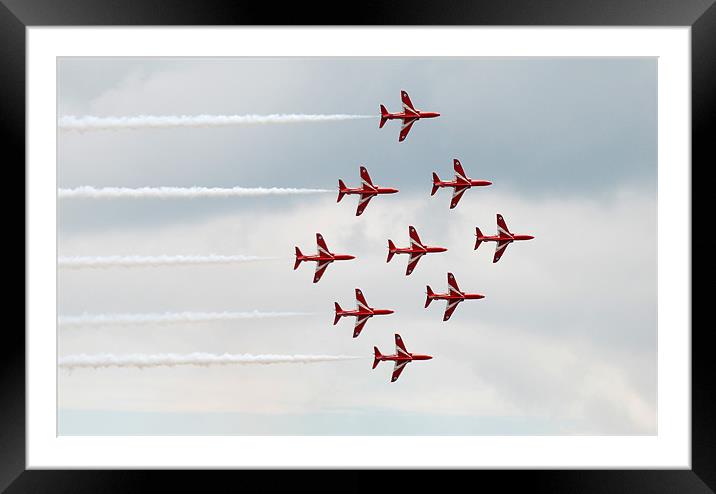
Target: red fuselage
[[469, 183], [366, 191], [410, 116], [415, 250], [363, 312], [325, 258], [403, 358], [455, 296], [502, 238]]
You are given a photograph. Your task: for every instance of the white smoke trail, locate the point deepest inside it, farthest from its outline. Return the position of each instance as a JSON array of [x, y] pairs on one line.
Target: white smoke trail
[[168, 318], [89, 192], [80, 262], [141, 361], [89, 123]]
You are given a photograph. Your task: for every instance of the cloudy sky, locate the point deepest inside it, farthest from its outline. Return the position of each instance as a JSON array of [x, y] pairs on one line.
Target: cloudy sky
[[563, 343]]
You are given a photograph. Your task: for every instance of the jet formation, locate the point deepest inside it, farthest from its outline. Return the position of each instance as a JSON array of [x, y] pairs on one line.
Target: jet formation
[[417, 249]]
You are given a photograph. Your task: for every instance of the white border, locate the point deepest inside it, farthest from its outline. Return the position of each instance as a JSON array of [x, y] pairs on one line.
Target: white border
[[669, 449]]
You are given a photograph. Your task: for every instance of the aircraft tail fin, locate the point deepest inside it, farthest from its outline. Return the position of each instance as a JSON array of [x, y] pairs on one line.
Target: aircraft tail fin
[[478, 238], [299, 258], [436, 181], [376, 356], [383, 116], [338, 313], [430, 296], [341, 188], [391, 250]]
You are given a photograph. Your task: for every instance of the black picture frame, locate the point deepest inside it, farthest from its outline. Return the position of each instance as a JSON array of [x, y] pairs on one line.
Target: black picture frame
[[16, 15]]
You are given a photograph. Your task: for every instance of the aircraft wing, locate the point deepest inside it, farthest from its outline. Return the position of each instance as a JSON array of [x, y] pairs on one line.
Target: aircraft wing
[[360, 324], [500, 250], [400, 346], [405, 129], [365, 178], [456, 195], [413, 261], [398, 369], [502, 229], [363, 203], [320, 269], [451, 306], [360, 300], [452, 285], [408, 106], [322, 247], [414, 238], [460, 175]]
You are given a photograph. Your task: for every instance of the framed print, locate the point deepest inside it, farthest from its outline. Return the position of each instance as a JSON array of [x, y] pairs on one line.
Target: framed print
[[258, 245]]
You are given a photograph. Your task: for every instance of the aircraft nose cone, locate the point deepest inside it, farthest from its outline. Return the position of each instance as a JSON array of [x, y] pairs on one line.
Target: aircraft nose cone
[[487, 182], [349, 257], [388, 311], [529, 237]]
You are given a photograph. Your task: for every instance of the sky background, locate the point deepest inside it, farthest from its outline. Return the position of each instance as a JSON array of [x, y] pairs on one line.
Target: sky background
[[563, 343]]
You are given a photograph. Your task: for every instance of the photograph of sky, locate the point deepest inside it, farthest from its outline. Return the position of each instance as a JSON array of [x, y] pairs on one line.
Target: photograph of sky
[[563, 343]]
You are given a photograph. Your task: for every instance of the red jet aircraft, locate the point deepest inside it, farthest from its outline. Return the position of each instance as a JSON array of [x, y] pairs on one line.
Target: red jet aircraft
[[503, 238], [409, 115], [362, 313], [402, 357], [367, 191], [416, 250], [454, 296], [461, 183], [322, 259]]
